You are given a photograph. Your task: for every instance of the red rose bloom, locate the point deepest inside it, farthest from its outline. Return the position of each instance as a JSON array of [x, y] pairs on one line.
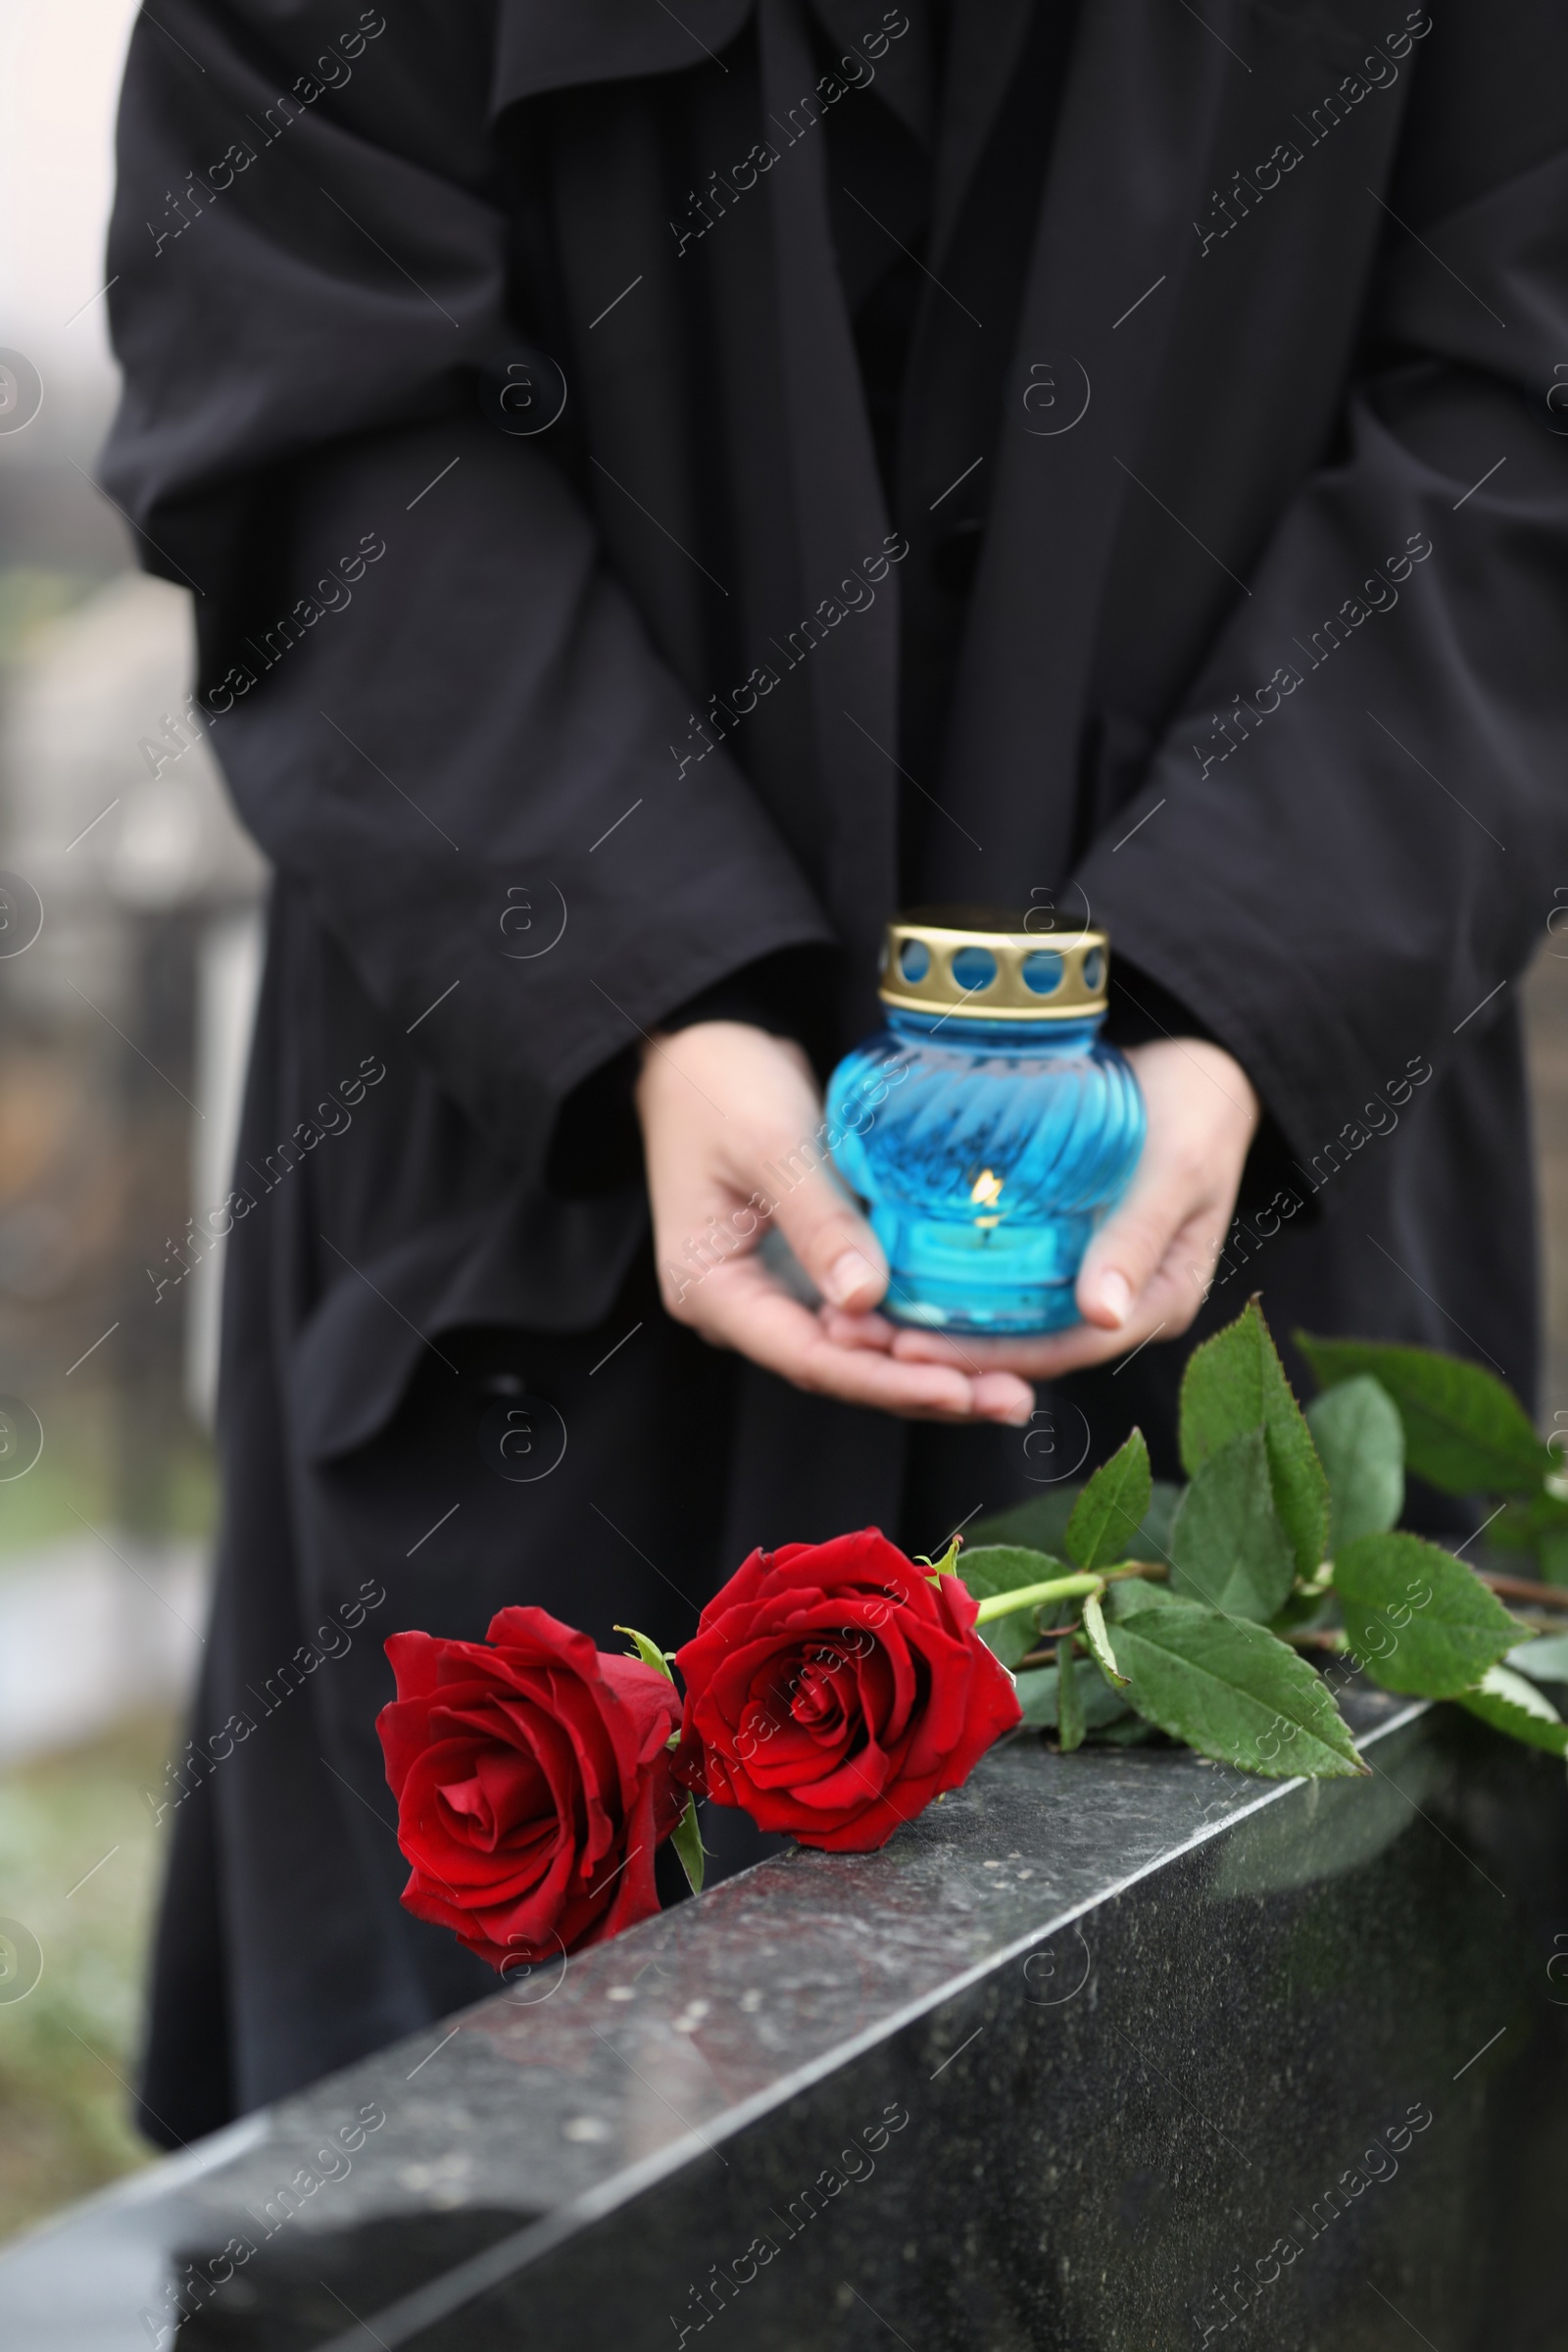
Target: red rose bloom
[[833, 1689], [533, 1783]]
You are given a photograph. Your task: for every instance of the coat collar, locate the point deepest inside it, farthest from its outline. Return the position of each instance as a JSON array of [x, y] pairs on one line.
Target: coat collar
[[985, 43], [904, 81], [839, 516], [1129, 162], [544, 45]]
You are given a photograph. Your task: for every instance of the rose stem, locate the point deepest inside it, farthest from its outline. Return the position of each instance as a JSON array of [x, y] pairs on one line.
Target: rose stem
[[1030, 1596]]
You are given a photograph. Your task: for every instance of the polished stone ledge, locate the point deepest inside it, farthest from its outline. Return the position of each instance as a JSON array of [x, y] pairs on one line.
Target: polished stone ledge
[[1042, 2073]]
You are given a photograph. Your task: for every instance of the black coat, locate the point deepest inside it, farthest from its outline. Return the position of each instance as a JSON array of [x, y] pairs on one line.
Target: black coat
[[548, 733]]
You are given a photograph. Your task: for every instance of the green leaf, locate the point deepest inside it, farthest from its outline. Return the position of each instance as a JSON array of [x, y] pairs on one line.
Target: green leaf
[[1544, 1659], [1137, 1593], [1037, 1696], [1522, 1522], [1551, 1550], [1152, 1541], [686, 1840], [1128, 1731], [1303, 1609], [1039, 1525], [1111, 1506], [1228, 1548], [1419, 1620], [1232, 1692], [1537, 1525], [1360, 1443], [1511, 1704], [993, 1568], [1042, 1523], [648, 1652], [1070, 1724], [1095, 1634], [1463, 1430], [1233, 1382]]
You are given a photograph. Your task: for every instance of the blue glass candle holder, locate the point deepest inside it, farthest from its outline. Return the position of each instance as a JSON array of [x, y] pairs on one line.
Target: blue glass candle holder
[[989, 1127]]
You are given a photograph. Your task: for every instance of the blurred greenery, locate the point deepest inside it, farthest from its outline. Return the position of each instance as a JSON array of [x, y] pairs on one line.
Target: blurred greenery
[[30, 597], [75, 1480], [68, 2051]]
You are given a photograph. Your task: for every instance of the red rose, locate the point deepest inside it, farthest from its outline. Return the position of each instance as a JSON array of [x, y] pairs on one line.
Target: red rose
[[533, 1783], [833, 1689]]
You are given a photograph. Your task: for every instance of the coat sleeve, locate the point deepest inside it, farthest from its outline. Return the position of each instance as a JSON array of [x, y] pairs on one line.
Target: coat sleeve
[[1347, 844], [438, 711]]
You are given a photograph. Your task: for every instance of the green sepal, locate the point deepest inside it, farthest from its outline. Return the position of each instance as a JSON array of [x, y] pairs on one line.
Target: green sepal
[[947, 1565], [648, 1652], [1112, 1507], [1465, 1431], [686, 1840], [1228, 1548], [1514, 1705], [1071, 1725], [1099, 1641], [1419, 1621], [1360, 1441], [1235, 1382]]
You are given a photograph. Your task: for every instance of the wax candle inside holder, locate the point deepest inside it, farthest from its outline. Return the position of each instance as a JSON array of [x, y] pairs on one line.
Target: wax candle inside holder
[[990, 1127]]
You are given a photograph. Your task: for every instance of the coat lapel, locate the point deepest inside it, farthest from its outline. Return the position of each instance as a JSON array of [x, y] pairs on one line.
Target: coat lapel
[[984, 45], [841, 519], [542, 45], [1129, 165], [903, 78]]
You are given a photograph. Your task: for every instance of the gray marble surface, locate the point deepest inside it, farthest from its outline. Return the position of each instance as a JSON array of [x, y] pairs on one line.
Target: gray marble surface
[[563, 2163]]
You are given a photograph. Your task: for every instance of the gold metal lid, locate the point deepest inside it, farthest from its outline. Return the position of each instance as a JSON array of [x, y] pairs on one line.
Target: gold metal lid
[[985, 963]]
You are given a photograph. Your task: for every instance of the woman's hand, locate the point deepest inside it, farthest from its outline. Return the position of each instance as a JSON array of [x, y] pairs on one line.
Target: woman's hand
[[730, 1121], [1146, 1272]]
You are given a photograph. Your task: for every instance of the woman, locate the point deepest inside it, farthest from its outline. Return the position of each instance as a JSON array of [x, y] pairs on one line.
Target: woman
[[661, 490]]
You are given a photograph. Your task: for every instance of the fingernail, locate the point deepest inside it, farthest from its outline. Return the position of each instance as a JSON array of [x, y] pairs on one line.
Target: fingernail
[[1116, 1295], [845, 1275]]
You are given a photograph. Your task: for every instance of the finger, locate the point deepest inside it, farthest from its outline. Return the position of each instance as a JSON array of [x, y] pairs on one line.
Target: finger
[[833, 1241], [1044, 1358], [860, 1331], [742, 1307], [1130, 1247], [1163, 1310], [999, 1389], [1004, 1397]]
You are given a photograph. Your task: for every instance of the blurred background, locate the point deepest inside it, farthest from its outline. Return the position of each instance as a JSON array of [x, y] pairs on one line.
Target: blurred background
[[123, 1023], [129, 952]]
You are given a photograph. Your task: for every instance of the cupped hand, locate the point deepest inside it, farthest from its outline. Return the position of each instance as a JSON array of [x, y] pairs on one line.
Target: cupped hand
[[1148, 1268], [732, 1123]]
